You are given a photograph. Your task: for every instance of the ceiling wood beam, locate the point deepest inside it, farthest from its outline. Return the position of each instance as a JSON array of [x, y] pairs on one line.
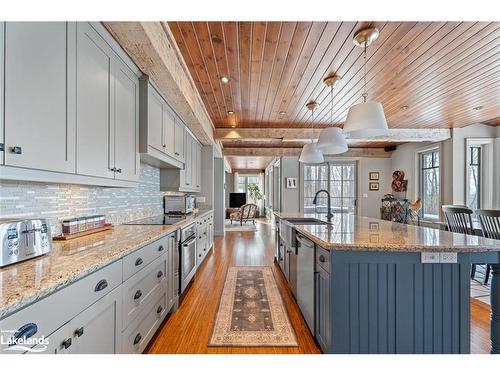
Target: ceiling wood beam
[[277, 152], [267, 134]]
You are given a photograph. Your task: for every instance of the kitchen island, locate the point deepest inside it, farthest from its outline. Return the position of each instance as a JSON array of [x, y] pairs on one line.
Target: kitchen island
[[385, 287]]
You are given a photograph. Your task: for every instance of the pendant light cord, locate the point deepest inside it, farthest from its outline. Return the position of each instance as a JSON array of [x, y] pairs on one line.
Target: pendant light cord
[[365, 93], [331, 105], [312, 125]]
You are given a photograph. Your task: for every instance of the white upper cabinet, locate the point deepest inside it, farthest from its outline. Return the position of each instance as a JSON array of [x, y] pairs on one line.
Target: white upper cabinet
[[180, 135], [95, 153], [161, 140], [169, 131], [71, 105], [126, 124], [39, 133], [155, 120]]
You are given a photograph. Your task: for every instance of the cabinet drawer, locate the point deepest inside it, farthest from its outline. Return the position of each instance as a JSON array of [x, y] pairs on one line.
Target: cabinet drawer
[[50, 313], [323, 258], [139, 259], [142, 288], [137, 336]]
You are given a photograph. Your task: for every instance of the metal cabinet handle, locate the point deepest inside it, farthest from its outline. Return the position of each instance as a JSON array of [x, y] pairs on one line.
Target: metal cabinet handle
[[119, 170], [176, 153], [161, 248], [159, 310], [137, 295], [112, 169], [138, 338], [26, 331], [159, 274], [2, 147], [199, 255], [103, 284], [322, 258], [66, 343], [16, 150], [79, 332], [138, 261]]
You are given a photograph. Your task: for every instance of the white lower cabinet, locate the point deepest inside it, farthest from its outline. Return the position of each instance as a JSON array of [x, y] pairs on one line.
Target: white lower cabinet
[[97, 329], [136, 337], [103, 312]]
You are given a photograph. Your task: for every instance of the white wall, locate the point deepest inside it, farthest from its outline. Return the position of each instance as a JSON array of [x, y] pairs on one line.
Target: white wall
[[459, 155], [369, 202]]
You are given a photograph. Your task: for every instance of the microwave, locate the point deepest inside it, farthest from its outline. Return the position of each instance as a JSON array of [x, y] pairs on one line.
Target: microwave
[[178, 204]]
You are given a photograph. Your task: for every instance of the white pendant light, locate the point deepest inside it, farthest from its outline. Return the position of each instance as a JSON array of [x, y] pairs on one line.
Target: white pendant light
[[310, 152], [331, 140], [366, 119]]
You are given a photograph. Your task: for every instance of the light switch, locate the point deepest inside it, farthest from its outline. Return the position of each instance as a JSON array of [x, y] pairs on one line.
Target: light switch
[[429, 258], [448, 257]]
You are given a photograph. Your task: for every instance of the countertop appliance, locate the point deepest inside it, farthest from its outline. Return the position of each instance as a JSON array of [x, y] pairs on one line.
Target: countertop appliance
[[187, 256], [22, 239], [179, 204], [305, 279], [158, 220]]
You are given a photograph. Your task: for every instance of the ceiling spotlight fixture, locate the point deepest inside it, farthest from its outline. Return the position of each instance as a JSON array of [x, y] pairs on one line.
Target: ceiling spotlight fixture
[[366, 119], [230, 112], [233, 126], [331, 140], [404, 108], [478, 108], [282, 113], [310, 152], [224, 80]]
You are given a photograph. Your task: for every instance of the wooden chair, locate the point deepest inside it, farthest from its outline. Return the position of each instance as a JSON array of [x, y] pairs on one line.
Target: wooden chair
[[459, 220], [247, 212], [490, 225]]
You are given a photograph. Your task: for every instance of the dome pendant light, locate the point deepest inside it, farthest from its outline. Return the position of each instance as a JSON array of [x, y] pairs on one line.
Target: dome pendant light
[[310, 152], [331, 140], [366, 119]]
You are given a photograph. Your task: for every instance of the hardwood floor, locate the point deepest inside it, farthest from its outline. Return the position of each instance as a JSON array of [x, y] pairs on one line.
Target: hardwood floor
[[188, 330]]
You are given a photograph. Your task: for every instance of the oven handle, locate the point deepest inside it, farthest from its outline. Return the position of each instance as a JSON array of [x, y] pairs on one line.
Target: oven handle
[[189, 240]]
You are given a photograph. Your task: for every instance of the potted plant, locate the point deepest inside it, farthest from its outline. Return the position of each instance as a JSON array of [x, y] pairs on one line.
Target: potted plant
[[254, 193]]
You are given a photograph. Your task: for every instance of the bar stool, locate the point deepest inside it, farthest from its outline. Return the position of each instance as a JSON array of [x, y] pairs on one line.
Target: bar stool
[[490, 225], [459, 220]]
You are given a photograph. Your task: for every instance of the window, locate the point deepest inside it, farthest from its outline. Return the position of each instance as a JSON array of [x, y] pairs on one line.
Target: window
[[474, 178], [429, 184], [339, 179], [244, 180]]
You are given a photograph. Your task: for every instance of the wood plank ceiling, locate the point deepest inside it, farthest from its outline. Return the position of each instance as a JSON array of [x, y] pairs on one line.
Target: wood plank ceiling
[[426, 74]]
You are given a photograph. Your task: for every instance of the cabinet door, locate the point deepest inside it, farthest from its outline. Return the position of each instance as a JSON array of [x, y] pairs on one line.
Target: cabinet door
[[323, 313], [179, 140], [188, 163], [59, 342], [2, 70], [97, 329], [38, 133], [95, 154], [168, 130], [126, 121], [194, 158], [198, 167], [155, 120], [172, 247]]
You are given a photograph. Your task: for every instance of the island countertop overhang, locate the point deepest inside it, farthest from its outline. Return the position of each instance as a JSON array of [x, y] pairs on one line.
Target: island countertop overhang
[[348, 232]]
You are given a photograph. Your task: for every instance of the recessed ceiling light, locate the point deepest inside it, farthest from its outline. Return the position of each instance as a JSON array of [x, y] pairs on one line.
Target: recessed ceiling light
[[230, 112], [233, 126], [479, 107], [224, 79], [282, 113], [404, 108]]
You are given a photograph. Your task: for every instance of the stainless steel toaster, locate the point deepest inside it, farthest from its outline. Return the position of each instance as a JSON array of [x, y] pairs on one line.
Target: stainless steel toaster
[[22, 239]]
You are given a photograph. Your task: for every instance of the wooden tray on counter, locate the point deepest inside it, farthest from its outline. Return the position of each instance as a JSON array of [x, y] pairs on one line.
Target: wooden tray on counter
[[65, 237]]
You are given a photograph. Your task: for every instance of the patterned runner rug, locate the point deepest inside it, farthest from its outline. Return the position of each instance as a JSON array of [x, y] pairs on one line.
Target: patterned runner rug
[[251, 312]]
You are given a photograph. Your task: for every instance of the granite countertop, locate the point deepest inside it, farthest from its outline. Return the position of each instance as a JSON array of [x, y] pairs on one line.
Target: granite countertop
[[28, 281], [353, 232]]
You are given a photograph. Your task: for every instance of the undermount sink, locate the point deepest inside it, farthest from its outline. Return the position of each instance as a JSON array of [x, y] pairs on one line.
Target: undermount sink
[[305, 221]]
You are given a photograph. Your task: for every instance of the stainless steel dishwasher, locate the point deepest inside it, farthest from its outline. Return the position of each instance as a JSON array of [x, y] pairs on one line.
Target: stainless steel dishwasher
[[305, 279]]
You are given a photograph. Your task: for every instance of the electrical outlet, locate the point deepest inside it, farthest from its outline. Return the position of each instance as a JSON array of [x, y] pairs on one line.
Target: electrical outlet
[[429, 258], [200, 199], [448, 257]]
